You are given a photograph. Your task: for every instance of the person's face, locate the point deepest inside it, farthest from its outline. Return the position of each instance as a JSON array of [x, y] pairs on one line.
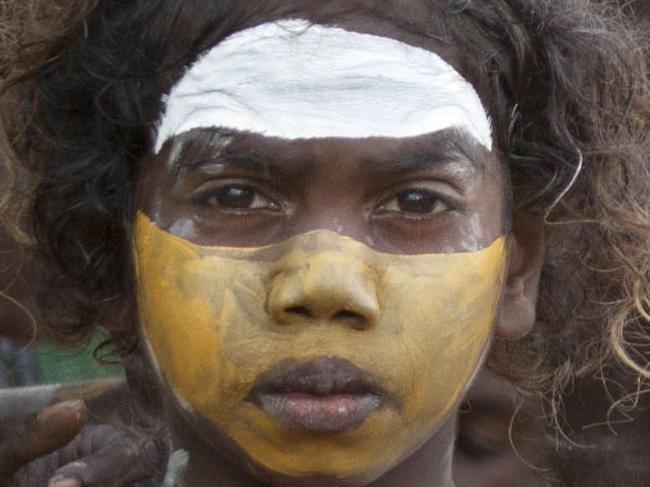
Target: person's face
[[501, 438], [317, 284]]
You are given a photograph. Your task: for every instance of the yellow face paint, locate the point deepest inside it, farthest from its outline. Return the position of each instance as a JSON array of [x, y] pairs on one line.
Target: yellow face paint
[[215, 318]]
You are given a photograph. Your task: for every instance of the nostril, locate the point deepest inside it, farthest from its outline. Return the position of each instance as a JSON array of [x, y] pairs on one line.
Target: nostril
[[299, 310], [350, 318]]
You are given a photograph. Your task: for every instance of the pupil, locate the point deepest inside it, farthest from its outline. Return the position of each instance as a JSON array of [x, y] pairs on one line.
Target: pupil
[[234, 197], [416, 202]]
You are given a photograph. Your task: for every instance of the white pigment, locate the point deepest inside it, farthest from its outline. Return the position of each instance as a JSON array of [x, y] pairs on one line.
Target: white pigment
[[293, 80]]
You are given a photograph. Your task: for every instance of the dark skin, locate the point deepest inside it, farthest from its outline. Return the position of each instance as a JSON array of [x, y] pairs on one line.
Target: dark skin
[[606, 441], [76, 442], [53, 424], [34, 436], [505, 326], [443, 203], [60, 426], [258, 191], [455, 204], [436, 193], [501, 438]]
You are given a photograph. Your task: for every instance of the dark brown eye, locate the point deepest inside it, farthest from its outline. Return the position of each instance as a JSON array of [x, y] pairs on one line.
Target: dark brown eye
[[415, 202], [238, 198]]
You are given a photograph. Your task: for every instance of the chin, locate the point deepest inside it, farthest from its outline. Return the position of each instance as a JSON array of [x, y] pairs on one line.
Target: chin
[[208, 444], [324, 479]]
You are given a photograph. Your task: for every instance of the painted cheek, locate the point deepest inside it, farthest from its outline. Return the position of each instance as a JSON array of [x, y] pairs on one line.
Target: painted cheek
[[206, 320]]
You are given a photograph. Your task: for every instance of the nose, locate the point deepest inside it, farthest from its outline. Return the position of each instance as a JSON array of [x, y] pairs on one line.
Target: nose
[[327, 288]]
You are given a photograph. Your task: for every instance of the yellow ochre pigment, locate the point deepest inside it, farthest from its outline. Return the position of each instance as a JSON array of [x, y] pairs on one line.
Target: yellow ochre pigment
[[212, 319]]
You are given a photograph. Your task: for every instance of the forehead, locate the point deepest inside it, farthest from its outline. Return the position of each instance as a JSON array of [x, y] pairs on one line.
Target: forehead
[[416, 23], [419, 23], [294, 77]]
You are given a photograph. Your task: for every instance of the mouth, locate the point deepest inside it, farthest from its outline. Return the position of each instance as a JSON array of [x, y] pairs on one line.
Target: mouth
[[322, 395]]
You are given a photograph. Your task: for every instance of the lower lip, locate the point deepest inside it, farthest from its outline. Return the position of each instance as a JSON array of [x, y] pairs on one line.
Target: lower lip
[[333, 413]]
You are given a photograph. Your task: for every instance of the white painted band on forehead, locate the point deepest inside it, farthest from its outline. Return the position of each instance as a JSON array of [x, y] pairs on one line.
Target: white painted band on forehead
[[294, 80]]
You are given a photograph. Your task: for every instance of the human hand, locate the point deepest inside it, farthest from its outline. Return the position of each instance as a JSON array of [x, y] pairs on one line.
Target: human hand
[[58, 448], [105, 456], [26, 436]]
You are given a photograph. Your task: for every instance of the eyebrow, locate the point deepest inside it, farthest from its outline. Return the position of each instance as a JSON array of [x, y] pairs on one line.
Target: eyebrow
[[451, 146], [216, 146], [220, 146]]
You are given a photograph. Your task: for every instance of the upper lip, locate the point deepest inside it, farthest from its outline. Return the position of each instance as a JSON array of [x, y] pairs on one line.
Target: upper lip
[[320, 376]]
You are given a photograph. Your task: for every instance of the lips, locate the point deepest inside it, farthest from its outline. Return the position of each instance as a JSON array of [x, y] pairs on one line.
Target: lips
[[326, 395]]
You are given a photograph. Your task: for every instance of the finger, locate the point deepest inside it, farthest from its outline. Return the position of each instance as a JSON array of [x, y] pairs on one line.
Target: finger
[[118, 464], [53, 428], [16, 400]]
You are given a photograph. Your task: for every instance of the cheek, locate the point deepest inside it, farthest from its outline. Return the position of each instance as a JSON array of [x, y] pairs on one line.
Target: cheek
[[188, 317], [445, 306], [205, 321]]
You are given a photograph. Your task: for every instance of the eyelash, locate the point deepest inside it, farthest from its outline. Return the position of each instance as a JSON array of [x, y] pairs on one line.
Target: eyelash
[[449, 205], [383, 208], [204, 197]]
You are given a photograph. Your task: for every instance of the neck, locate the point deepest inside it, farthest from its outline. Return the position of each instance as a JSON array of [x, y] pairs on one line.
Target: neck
[[430, 466]]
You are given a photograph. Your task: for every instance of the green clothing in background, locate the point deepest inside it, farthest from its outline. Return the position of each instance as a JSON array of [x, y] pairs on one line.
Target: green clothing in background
[[64, 364]]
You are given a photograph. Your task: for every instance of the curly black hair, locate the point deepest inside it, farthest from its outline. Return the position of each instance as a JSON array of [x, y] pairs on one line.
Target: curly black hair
[[564, 80]]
